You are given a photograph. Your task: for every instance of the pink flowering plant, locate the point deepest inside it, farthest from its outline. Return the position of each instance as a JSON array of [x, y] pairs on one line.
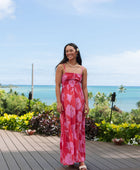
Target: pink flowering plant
[[118, 141]]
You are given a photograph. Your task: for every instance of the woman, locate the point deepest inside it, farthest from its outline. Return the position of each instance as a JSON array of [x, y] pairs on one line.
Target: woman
[[72, 103]]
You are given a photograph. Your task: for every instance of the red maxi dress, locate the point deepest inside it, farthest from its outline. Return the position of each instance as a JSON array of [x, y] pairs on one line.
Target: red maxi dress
[[72, 140]]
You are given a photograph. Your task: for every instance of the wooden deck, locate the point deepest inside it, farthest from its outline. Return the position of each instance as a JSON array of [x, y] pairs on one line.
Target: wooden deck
[[19, 151]]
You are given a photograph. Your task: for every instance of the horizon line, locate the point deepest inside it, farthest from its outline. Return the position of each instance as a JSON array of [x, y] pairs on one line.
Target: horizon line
[[54, 85]]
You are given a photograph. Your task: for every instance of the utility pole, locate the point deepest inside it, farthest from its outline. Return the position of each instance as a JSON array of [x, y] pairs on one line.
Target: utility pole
[[32, 79], [31, 92]]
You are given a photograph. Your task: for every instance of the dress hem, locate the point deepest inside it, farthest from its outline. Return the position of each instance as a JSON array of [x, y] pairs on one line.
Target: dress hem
[[73, 162]]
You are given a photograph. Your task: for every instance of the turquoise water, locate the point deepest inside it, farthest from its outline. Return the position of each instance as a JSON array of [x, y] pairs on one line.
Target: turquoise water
[[125, 101]]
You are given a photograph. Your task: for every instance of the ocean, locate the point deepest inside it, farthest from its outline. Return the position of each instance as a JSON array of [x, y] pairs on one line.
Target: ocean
[[46, 93]]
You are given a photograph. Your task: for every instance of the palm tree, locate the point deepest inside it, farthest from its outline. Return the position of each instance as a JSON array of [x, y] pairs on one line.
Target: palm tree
[[138, 104], [122, 89]]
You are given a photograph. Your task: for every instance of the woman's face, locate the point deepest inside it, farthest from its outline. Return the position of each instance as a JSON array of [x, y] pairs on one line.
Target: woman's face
[[70, 52]]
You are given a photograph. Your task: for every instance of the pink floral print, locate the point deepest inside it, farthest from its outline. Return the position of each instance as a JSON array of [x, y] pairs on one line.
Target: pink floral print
[[72, 140]]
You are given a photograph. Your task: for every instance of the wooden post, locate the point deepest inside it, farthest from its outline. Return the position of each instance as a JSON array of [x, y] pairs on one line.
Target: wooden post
[[111, 112], [32, 79]]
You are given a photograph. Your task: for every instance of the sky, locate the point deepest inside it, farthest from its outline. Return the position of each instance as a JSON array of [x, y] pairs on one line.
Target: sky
[[36, 31]]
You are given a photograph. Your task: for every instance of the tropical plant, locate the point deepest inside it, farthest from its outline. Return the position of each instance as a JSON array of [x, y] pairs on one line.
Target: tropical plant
[[102, 99], [36, 106], [108, 131], [46, 123], [91, 130], [122, 89], [100, 113], [123, 117], [138, 104], [135, 116], [13, 103], [90, 95], [14, 122]]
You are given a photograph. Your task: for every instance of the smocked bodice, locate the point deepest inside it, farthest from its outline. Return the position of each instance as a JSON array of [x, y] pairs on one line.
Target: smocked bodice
[[71, 78]]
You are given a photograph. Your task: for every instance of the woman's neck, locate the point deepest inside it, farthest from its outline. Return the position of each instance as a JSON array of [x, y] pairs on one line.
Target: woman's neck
[[73, 62]]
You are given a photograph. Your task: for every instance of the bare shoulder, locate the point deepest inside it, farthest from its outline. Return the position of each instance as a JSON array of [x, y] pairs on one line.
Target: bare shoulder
[[60, 67], [84, 69]]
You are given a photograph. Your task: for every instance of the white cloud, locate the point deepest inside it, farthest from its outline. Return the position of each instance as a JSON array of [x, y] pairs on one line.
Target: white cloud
[[78, 6], [124, 63], [7, 9], [83, 6], [116, 69]]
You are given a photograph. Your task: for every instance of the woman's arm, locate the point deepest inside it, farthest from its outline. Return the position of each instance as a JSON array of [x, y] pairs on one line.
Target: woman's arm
[[85, 91], [58, 76]]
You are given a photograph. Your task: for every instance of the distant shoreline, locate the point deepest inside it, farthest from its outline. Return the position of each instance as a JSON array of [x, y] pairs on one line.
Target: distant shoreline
[[8, 86], [46, 93]]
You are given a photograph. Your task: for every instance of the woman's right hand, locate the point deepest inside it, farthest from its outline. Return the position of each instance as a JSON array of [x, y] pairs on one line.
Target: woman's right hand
[[59, 107]]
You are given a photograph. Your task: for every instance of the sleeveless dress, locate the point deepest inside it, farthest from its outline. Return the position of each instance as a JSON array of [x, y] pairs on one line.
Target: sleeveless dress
[[72, 118]]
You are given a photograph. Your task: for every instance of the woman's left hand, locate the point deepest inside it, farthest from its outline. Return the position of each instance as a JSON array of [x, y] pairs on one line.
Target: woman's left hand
[[86, 111]]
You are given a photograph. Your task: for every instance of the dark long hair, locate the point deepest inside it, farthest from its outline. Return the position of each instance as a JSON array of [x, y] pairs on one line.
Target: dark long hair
[[65, 59]]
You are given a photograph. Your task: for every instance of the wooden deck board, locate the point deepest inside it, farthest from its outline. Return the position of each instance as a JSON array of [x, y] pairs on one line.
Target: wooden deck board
[[125, 152], [109, 154], [52, 149], [8, 156], [24, 152], [17, 156], [36, 152], [3, 164], [37, 144], [42, 164], [101, 152]]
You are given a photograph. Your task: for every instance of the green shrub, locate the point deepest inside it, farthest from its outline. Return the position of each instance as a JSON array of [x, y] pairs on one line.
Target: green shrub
[[23, 121], [137, 137], [12, 103], [135, 115], [100, 113], [14, 122], [138, 104], [37, 106], [53, 107], [16, 104], [109, 131], [119, 118], [102, 99]]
